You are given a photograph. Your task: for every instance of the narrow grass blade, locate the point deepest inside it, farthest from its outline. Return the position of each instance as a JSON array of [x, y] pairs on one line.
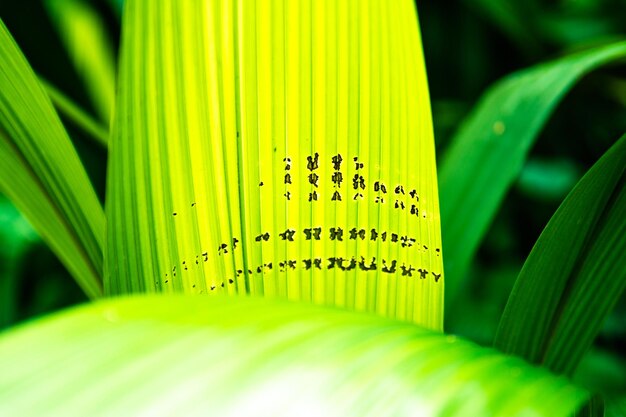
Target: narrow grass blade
[[277, 148], [76, 115], [86, 39], [574, 275], [232, 356], [490, 148], [42, 174]]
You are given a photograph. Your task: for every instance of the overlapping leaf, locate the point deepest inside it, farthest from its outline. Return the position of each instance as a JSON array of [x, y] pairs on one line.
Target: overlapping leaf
[[42, 174], [277, 148], [488, 152], [190, 355], [574, 275], [85, 36]]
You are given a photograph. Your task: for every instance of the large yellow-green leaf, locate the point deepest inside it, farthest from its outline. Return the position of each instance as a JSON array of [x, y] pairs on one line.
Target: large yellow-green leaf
[[88, 44], [278, 148], [218, 356], [41, 173], [574, 275], [488, 152]]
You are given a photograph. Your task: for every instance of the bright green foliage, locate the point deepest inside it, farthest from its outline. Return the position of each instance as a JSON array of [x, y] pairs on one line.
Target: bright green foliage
[[85, 37], [42, 174], [488, 152], [575, 274], [231, 356], [282, 149]]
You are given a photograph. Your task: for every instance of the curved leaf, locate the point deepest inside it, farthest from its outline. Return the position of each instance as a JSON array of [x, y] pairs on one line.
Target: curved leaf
[[277, 148], [42, 174], [487, 153], [86, 39], [574, 275], [190, 355]]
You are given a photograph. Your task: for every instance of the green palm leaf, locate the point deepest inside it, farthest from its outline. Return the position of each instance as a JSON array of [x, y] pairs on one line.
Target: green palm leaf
[[277, 148], [186, 355]]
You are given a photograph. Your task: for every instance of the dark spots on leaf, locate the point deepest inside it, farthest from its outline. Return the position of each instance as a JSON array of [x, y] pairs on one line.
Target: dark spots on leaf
[[261, 184], [174, 214]]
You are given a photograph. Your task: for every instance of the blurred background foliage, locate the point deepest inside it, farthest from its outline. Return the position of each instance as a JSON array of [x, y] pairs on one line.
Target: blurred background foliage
[[468, 44]]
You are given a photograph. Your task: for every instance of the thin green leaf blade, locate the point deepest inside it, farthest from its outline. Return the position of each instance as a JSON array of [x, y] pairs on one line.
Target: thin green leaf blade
[[72, 111], [283, 150], [42, 174], [189, 355], [575, 273], [85, 36], [489, 150]]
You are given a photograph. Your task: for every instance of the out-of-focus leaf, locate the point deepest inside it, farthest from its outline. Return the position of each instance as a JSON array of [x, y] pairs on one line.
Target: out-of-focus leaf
[[42, 174], [77, 115], [548, 179], [488, 152], [574, 275], [229, 356], [89, 47], [283, 149]]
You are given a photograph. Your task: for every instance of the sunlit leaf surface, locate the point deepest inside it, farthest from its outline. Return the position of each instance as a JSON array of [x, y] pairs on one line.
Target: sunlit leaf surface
[[229, 356], [277, 148]]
